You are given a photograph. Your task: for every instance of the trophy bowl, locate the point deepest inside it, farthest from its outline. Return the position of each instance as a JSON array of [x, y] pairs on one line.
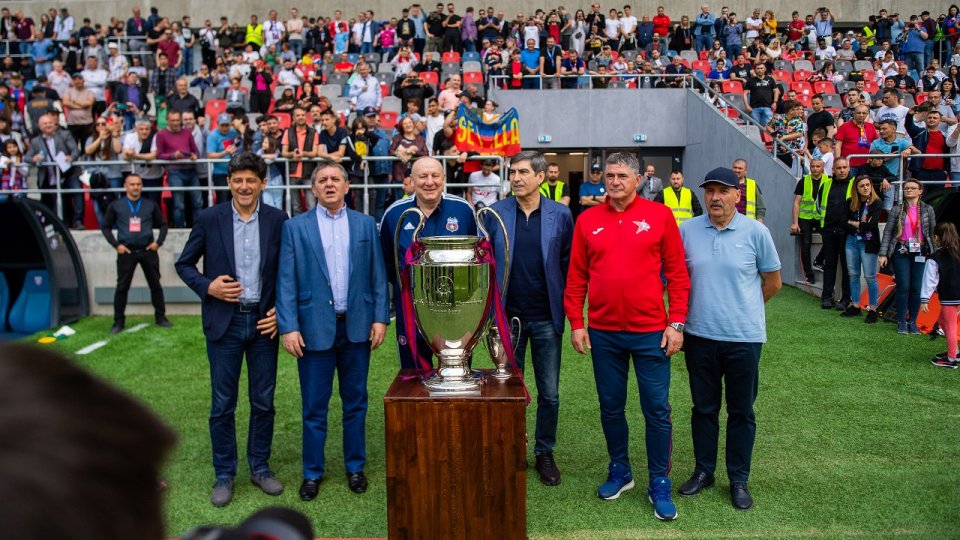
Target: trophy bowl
[[450, 299]]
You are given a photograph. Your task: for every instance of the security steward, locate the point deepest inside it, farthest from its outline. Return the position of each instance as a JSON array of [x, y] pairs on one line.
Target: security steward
[[554, 188], [806, 214], [679, 199], [751, 198], [135, 217]]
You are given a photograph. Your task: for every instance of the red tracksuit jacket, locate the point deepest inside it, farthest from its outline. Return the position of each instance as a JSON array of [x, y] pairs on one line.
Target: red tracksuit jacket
[[617, 258]]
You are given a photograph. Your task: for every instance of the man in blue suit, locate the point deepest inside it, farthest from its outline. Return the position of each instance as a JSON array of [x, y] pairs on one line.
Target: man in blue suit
[[239, 242], [332, 310], [540, 233]]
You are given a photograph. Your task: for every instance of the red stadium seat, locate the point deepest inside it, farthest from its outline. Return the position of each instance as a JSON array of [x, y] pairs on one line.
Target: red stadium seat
[[283, 119], [802, 88], [802, 75], [732, 86], [388, 120], [704, 55], [871, 86], [782, 75], [702, 65], [450, 56], [384, 89], [213, 109], [824, 87], [430, 77], [806, 99], [472, 77]]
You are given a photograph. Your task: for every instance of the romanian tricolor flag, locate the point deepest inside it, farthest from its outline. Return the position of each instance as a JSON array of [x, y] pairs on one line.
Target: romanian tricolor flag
[[498, 138]]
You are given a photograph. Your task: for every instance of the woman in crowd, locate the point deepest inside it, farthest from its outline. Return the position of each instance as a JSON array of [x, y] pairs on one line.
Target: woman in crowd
[[826, 73], [579, 37], [407, 145], [768, 29], [287, 101], [308, 96], [949, 92], [104, 144], [261, 78], [13, 172], [863, 244], [942, 274], [682, 38], [773, 50], [907, 240]]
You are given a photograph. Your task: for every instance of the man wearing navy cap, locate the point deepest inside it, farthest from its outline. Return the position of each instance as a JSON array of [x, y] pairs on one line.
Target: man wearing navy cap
[[734, 269]]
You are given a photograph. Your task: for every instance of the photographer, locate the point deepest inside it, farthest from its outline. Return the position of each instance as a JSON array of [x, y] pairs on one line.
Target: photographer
[[260, 90], [913, 41], [413, 87]]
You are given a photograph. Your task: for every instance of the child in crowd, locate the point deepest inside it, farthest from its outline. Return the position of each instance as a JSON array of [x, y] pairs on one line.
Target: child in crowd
[[13, 173], [273, 195], [942, 274]]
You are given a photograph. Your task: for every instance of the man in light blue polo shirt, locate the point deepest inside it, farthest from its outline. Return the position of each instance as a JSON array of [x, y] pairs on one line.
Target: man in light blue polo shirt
[[734, 269]]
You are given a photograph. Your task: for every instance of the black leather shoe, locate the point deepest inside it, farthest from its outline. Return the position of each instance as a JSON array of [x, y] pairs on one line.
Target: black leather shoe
[[697, 483], [357, 482], [827, 304], [309, 489], [163, 322], [547, 467], [740, 495], [116, 328]]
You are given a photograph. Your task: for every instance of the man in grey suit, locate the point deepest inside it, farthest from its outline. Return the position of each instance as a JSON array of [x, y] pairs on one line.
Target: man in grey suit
[[540, 232], [45, 148], [332, 310]]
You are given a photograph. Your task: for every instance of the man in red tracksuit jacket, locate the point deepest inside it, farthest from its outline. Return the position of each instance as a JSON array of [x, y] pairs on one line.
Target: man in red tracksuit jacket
[[620, 248]]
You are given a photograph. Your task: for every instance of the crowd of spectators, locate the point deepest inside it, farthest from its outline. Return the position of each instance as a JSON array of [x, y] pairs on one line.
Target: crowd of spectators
[[267, 86]]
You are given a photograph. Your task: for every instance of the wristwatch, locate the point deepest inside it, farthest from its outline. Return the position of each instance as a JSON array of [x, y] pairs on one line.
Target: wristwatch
[[676, 326]]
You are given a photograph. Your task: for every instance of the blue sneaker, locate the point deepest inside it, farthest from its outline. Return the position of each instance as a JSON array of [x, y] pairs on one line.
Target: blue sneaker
[[659, 495], [618, 480]]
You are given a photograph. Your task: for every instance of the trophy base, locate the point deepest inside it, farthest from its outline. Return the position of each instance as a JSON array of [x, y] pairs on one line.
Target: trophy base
[[440, 386], [501, 375]]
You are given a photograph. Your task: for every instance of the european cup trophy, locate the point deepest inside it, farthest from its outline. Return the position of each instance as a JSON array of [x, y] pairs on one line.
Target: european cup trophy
[[450, 283]]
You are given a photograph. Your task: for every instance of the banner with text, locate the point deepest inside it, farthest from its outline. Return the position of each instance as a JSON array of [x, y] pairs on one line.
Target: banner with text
[[501, 137]]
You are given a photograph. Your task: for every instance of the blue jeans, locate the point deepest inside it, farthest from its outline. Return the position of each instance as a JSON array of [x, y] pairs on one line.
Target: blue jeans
[[704, 43], [545, 356], [908, 276], [927, 53], [186, 66], [296, 45], [611, 364], [367, 47], [184, 178], [43, 68], [914, 61], [857, 256], [226, 360], [531, 83], [762, 115], [352, 362], [733, 51], [711, 365]]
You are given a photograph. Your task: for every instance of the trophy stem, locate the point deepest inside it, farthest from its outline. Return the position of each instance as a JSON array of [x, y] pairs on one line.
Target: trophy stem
[[454, 376]]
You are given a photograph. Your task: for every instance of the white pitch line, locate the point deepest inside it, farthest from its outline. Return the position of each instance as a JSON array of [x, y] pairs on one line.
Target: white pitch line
[[92, 347], [136, 328]]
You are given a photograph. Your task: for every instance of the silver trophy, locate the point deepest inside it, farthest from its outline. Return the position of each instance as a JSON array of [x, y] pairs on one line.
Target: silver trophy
[[450, 288], [498, 351]]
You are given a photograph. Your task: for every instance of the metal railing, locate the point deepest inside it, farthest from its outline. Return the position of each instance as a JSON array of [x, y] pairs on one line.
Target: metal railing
[[902, 169], [503, 81], [289, 189]]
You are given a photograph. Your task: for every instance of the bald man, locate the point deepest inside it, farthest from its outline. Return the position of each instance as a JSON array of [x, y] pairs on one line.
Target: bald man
[[447, 215]]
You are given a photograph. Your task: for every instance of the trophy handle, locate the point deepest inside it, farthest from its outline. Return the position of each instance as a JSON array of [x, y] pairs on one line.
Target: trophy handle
[[396, 234], [506, 242]]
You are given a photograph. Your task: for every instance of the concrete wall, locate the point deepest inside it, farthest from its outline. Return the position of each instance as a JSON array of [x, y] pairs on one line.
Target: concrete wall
[[240, 10], [608, 119], [705, 151]]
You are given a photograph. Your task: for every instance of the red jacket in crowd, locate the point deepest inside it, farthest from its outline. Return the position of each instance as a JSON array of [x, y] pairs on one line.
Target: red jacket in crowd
[[619, 255]]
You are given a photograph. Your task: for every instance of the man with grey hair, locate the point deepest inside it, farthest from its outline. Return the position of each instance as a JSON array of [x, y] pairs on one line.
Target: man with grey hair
[[626, 250], [340, 328], [539, 233]]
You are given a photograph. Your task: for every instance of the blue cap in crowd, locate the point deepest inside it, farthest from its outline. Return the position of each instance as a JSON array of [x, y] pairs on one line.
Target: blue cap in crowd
[[721, 175]]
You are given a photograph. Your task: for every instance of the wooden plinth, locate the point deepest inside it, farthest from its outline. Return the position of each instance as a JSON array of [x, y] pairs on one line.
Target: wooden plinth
[[456, 466]]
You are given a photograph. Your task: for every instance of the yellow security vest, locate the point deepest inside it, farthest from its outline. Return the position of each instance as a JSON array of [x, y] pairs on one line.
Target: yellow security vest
[[870, 34], [682, 209], [825, 194], [557, 195], [254, 35], [808, 202], [751, 206]]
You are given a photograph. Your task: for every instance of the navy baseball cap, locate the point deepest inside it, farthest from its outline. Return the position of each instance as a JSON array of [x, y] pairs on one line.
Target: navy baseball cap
[[721, 175], [368, 111]]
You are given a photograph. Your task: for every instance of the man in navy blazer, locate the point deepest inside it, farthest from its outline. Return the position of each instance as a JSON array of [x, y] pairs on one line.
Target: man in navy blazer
[[332, 310], [540, 233], [239, 242]]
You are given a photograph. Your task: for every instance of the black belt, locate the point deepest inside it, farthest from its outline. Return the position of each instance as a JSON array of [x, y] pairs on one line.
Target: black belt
[[248, 308], [342, 316]]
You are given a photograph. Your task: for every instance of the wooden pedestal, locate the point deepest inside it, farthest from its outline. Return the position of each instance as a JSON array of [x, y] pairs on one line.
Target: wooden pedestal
[[456, 466]]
